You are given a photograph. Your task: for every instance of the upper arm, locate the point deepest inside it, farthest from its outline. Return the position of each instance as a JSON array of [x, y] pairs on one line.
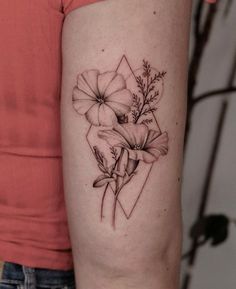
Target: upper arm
[[122, 180]]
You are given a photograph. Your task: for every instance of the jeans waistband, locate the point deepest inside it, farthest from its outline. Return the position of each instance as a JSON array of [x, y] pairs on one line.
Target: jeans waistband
[[36, 277]]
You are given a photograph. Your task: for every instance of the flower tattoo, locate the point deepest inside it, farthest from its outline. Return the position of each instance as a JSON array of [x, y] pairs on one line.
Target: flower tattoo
[[102, 97], [140, 142], [124, 135]]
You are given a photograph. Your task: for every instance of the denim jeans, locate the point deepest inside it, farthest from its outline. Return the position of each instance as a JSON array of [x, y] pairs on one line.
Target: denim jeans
[[15, 276]]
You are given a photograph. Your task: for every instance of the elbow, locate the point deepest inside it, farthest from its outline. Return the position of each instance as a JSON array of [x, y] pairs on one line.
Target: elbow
[[134, 262]]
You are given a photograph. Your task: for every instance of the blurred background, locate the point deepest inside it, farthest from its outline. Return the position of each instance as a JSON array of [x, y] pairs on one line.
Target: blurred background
[[209, 182]]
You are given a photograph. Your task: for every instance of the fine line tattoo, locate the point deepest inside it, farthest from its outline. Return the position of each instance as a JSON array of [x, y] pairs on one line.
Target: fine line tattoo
[[124, 135]]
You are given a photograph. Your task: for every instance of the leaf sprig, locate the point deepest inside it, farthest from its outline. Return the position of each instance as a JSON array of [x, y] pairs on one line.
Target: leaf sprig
[[146, 85], [107, 171], [102, 161], [114, 153]]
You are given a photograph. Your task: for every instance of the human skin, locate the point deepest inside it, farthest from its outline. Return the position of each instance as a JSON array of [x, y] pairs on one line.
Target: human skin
[[111, 250]]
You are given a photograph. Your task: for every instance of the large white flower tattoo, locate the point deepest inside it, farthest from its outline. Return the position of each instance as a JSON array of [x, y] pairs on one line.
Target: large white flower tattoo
[[124, 134], [102, 97]]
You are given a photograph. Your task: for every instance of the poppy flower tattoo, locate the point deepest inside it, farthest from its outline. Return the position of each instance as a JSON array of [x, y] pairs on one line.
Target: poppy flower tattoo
[[140, 142], [124, 135]]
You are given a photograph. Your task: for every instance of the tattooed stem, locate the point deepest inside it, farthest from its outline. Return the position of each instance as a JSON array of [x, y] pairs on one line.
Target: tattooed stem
[[114, 208], [103, 199], [114, 152], [114, 212]]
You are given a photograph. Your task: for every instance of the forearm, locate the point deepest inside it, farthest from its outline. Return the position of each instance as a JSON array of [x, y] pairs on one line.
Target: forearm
[[125, 229]]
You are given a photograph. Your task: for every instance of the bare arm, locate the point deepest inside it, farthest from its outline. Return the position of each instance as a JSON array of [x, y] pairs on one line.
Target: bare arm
[[123, 114]]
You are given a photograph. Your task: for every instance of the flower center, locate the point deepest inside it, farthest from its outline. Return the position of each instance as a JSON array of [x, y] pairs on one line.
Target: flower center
[[137, 147], [100, 99]]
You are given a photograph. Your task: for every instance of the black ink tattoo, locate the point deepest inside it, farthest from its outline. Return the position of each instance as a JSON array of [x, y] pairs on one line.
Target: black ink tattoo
[[124, 134]]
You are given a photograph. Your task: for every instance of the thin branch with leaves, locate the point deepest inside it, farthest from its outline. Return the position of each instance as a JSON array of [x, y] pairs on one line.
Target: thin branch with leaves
[[144, 104]]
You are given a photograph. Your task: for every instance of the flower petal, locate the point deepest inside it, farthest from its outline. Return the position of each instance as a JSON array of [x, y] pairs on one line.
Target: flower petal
[[113, 138], [152, 136], [88, 82], [142, 156], [118, 83], [119, 108], [157, 143], [106, 116], [92, 114], [148, 157], [80, 94], [123, 96], [155, 153], [104, 80], [121, 101], [135, 134], [83, 105]]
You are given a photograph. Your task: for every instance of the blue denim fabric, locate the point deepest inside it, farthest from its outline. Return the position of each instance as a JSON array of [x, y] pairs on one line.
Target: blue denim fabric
[[15, 276]]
